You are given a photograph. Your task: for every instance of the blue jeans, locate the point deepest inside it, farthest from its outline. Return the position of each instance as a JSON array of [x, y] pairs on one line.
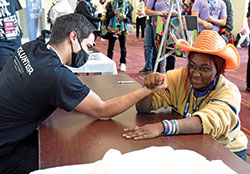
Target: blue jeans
[[242, 154], [150, 51], [111, 45]]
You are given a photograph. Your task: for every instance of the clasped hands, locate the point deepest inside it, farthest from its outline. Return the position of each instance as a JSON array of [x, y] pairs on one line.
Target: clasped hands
[[209, 24], [154, 81]]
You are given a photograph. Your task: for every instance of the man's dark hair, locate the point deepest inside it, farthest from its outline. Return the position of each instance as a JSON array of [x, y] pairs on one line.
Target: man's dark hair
[[65, 24]]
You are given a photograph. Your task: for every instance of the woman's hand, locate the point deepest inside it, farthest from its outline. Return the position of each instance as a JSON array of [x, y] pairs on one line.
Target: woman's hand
[[145, 132]]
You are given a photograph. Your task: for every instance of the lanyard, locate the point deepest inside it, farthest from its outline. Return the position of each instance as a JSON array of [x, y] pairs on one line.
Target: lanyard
[[186, 114], [211, 5]]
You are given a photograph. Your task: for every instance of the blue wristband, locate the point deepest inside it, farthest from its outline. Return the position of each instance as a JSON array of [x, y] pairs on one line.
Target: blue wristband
[[167, 127], [174, 127]]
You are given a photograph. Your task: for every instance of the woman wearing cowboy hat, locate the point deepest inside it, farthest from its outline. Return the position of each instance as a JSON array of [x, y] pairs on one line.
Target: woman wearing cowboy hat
[[208, 102]]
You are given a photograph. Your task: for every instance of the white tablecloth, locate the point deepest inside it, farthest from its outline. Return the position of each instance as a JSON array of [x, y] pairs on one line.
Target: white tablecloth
[[152, 160], [97, 63]]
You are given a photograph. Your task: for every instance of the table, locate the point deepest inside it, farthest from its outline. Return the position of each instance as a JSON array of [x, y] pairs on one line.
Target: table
[[67, 138], [97, 63]]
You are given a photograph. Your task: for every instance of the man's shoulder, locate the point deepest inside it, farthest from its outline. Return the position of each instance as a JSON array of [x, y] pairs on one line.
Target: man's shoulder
[[33, 43], [43, 61], [35, 48], [197, 4], [227, 1], [223, 3], [41, 56]]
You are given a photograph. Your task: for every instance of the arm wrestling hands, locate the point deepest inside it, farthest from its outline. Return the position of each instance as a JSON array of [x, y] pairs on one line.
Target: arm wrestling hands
[[104, 110]]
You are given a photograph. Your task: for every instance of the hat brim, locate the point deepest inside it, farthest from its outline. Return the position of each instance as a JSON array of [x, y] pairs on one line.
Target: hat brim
[[229, 53]]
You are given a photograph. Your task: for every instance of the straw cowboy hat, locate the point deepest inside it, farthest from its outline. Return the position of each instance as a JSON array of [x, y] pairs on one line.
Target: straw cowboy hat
[[210, 42]]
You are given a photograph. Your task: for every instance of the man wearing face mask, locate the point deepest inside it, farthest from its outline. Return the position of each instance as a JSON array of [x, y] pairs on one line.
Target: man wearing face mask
[[36, 81]]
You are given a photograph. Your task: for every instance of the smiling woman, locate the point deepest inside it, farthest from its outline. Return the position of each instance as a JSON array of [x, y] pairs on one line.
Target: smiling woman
[[208, 102], [201, 70]]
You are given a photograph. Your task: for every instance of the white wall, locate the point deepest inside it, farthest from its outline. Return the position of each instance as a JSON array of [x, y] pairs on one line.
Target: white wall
[[240, 11]]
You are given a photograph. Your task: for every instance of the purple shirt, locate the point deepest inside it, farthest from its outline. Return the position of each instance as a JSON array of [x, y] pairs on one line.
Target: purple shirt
[[161, 5], [215, 8]]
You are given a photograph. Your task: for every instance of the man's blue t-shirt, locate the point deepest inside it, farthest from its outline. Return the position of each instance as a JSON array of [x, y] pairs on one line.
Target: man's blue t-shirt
[[32, 85]]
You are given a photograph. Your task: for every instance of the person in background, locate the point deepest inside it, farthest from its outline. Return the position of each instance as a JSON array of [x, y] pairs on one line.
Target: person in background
[[100, 11], [36, 81], [100, 8], [155, 7], [62, 7], [248, 62], [188, 9], [227, 29], [85, 8], [242, 39], [140, 20], [130, 7], [10, 30], [118, 14], [207, 101], [184, 4], [212, 14]]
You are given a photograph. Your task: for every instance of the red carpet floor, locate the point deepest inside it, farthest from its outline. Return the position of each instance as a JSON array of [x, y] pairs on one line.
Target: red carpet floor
[[135, 62]]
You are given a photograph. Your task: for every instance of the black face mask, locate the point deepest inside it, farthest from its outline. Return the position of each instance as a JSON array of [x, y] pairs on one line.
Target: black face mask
[[79, 58]]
